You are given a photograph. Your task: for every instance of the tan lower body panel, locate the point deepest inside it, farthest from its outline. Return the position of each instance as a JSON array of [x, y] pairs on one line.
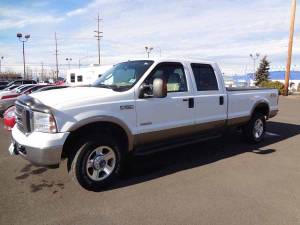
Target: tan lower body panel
[[146, 138]]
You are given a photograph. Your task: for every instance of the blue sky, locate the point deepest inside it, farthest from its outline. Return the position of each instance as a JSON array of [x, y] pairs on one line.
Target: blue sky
[[224, 31]]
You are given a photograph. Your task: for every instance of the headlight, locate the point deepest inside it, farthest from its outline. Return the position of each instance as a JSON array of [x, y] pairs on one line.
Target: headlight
[[43, 122]]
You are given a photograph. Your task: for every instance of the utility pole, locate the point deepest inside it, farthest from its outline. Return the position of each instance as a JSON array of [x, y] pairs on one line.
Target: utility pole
[[290, 49], [56, 54], [98, 35]]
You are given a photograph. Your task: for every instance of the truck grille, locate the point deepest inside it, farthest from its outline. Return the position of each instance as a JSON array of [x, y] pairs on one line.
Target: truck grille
[[23, 118]]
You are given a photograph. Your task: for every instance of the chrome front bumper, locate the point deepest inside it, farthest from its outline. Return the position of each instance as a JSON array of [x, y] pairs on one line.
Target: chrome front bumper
[[39, 148]]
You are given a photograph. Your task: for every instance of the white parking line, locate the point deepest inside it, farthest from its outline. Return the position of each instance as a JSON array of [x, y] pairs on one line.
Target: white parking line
[[272, 134]]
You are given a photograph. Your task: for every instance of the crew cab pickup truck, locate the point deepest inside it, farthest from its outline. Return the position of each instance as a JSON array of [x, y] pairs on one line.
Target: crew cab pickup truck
[[136, 107]]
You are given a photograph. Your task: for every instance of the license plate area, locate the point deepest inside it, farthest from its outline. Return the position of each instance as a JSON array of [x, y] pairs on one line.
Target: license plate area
[[18, 149]]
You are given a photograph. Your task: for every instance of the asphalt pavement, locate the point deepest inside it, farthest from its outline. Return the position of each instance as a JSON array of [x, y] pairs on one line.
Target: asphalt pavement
[[223, 181]]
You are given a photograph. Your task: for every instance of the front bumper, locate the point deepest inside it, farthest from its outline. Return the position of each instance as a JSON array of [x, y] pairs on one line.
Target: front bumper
[[42, 149]]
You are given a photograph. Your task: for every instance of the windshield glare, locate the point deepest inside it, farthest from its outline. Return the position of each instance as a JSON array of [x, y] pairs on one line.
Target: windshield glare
[[123, 75]]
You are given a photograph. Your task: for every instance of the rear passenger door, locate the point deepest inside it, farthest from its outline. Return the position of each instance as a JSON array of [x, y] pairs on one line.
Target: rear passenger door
[[210, 100]]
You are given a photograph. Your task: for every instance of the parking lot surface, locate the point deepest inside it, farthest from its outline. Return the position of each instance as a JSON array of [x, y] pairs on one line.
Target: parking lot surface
[[223, 181]]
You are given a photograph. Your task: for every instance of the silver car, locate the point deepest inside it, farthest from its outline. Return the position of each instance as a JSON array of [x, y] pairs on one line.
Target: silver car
[[8, 97]]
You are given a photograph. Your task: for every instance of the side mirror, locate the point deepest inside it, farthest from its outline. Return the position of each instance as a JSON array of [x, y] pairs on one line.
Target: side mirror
[[159, 88]]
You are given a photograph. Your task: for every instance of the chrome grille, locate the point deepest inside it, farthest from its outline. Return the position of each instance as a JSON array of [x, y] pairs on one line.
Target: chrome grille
[[22, 118]]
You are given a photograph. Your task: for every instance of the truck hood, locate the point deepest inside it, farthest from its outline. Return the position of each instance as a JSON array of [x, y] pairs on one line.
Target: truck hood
[[66, 97]]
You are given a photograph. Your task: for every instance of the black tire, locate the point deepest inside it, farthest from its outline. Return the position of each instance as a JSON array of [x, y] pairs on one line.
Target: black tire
[[249, 130], [77, 161]]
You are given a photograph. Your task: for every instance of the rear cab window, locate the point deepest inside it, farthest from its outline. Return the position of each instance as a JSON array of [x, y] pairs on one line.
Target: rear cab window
[[205, 77]]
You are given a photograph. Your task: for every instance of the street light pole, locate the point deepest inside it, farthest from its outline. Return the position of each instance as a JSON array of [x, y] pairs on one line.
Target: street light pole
[[254, 57], [148, 50], [23, 40], [69, 61]]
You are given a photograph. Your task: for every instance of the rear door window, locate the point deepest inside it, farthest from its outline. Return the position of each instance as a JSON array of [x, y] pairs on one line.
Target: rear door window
[[205, 77]]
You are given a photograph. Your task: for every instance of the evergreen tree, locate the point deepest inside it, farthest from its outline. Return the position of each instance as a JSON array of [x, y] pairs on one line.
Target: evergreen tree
[[262, 73]]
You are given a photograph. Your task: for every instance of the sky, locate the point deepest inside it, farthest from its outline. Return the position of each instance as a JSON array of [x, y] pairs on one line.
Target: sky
[[225, 31]]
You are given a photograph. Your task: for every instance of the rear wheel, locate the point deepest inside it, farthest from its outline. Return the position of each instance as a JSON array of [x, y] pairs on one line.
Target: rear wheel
[[255, 130], [97, 162]]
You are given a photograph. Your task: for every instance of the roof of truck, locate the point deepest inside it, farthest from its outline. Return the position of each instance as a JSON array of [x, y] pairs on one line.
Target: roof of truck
[[174, 59]]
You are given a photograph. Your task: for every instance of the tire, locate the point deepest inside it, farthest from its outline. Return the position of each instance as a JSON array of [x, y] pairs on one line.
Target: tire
[[254, 131], [96, 162]]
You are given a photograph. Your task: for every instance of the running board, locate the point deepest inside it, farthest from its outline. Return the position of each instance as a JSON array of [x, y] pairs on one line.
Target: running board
[[153, 148]]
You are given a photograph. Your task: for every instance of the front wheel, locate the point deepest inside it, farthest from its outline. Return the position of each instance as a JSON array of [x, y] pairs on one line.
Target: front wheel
[[97, 162], [255, 130]]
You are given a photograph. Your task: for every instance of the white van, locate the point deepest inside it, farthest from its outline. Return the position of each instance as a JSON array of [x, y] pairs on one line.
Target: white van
[[85, 76]]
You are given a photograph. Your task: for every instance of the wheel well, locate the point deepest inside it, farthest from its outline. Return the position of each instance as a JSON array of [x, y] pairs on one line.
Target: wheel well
[[262, 108], [103, 127]]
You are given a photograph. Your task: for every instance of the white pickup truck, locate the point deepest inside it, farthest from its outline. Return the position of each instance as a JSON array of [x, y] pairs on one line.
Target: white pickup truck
[[137, 107]]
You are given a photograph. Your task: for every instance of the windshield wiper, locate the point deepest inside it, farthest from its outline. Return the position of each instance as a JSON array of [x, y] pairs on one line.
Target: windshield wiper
[[107, 86]]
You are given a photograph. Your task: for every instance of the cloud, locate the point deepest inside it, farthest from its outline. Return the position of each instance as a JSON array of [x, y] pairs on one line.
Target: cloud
[[226, 31]]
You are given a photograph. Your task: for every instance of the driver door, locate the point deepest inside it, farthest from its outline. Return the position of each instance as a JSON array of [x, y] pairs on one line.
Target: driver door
[[166, 118]]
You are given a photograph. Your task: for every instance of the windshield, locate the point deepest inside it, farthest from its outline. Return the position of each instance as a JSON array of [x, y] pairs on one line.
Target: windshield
[[123, 75], [23, 88]]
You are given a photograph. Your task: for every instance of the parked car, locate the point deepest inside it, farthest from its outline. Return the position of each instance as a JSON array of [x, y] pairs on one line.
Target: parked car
[[137, 107], [9, 88], [3, 83], [49, 87], [10, 116], [7, 99], [18, 83]]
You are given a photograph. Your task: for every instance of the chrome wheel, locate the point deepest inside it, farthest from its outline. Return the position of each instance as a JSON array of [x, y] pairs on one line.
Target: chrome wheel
[[258, 128], [100, 163]]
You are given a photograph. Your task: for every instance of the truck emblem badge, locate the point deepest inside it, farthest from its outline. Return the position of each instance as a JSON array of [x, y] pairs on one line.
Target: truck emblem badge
[[124, 107]]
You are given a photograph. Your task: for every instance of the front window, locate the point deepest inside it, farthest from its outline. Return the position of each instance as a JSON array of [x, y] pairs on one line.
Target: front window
[[123, 75]]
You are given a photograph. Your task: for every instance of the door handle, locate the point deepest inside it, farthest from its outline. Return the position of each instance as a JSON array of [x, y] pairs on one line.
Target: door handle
[[221, 100], [190, 100]]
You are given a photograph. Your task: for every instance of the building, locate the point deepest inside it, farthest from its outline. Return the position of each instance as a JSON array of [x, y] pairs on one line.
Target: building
[[294, 79], [248, 79]]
